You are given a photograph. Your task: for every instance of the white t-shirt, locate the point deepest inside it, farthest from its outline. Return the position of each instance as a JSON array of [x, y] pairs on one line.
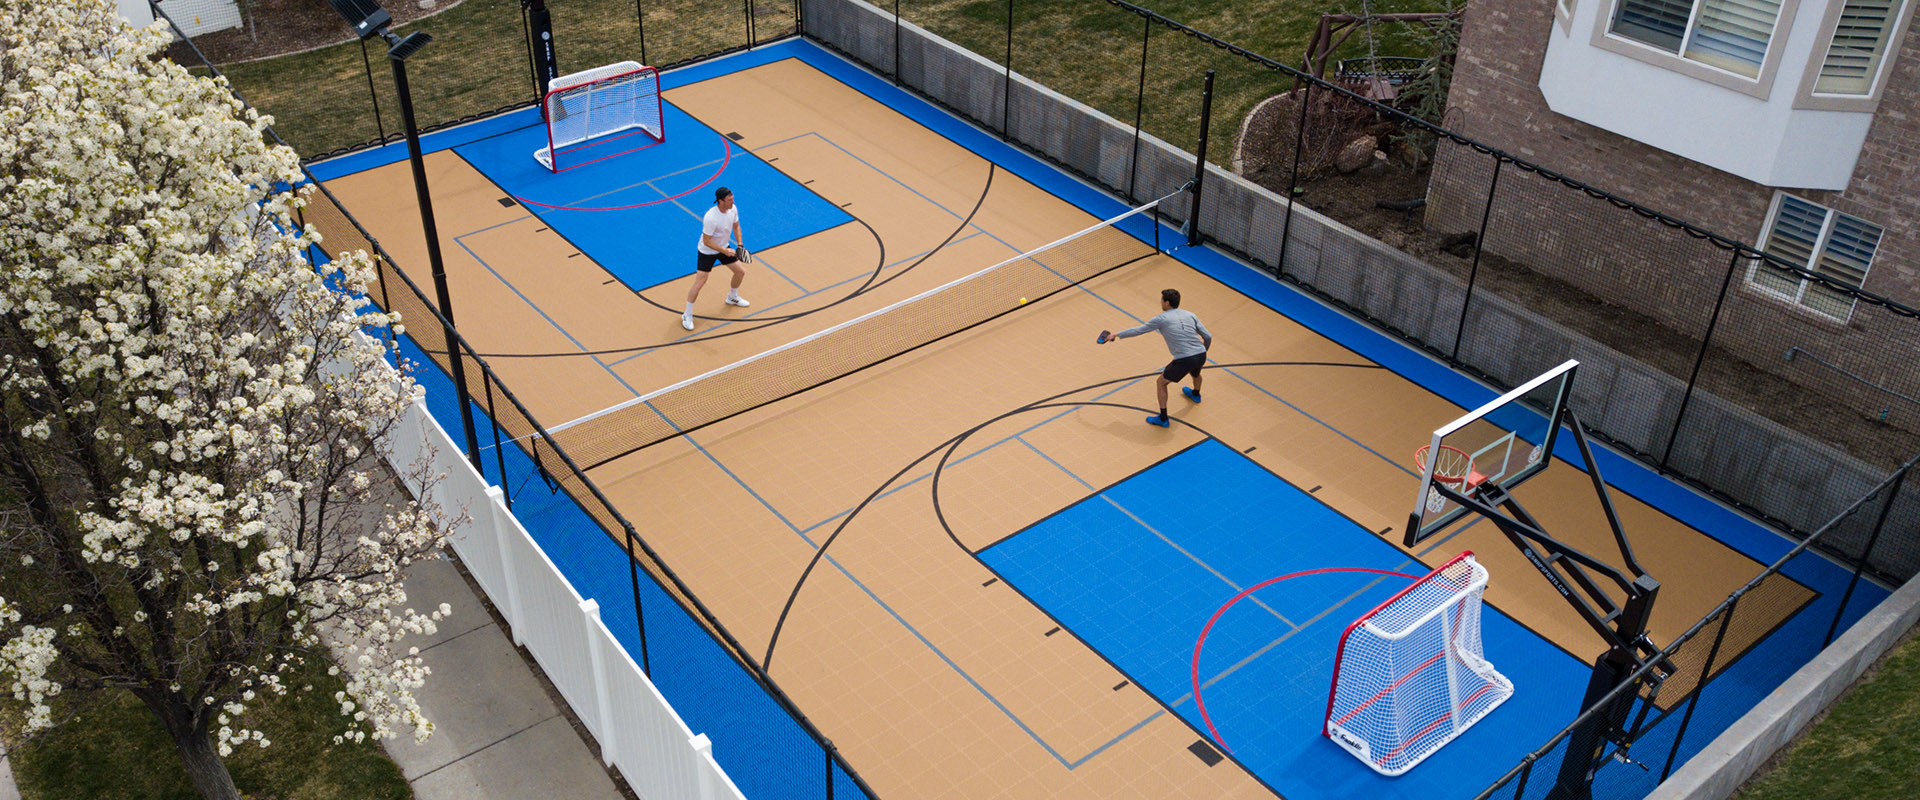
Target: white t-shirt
[[719, 225]]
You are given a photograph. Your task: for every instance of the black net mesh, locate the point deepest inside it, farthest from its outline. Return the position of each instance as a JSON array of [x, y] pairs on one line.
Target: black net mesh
[[678, 31]]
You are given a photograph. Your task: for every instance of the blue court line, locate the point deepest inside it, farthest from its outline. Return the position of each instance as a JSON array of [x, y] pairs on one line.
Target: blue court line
[[650, 183], [984, 449], [769, 265], [904, 185], [1322, 423], [758, 315], [461, 240], [935, 649]]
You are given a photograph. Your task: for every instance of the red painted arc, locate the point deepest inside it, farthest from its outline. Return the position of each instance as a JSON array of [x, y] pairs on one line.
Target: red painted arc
[[724, 160], [1202, 641]]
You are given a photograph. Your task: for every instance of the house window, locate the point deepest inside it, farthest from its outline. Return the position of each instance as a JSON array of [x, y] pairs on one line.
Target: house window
[[1728, 34], [1859, 43], [1821, 241]]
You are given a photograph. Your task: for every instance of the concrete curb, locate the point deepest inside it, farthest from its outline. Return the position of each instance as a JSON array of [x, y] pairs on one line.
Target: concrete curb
[[1728, 761]]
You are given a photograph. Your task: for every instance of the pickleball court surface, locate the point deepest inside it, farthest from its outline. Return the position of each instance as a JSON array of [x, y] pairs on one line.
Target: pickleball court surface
[[973, 566]]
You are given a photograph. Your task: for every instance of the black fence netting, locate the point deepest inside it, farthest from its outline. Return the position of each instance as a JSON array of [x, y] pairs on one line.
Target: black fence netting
[[335, 94]]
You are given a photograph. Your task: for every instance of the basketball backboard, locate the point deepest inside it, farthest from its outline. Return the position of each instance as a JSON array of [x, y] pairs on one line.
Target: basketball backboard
[[1502, 443]]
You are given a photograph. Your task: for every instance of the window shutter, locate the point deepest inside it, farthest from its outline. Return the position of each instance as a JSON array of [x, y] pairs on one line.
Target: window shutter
[[1859, 41], [1796, 230], [1733, 34], [1660, 23], [1848, 253]]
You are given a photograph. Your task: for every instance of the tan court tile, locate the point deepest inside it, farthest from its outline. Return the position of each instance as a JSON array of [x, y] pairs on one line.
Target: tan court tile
[[725, 507]]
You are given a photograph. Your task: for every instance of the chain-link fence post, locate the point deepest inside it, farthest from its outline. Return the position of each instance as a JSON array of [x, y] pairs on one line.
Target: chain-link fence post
[[1866, 554], [367, 62], [1706, 669], [1200, 161], [1479, 244], [1700, 358], [1139, 110]]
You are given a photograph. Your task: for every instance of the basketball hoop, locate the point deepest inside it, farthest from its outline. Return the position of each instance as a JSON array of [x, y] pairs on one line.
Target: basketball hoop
[[1454, 467]]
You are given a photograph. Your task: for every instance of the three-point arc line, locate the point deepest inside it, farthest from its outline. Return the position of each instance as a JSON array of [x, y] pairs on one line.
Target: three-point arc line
[[1202, 641]]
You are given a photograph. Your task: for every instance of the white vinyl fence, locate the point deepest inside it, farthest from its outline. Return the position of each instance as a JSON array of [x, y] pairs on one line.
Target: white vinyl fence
[[638, 731]]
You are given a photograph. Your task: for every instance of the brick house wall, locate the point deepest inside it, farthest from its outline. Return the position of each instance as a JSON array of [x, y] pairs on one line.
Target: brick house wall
[[1626, 260]]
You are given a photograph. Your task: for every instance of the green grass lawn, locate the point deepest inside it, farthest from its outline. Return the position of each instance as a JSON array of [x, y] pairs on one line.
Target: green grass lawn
[[1868, 746], [477, 62], [116, 749], [1091, 51], [1087, 49]]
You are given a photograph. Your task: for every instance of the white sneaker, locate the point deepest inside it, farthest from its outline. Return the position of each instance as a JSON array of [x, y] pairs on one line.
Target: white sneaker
[[686, 321], [737, 300]]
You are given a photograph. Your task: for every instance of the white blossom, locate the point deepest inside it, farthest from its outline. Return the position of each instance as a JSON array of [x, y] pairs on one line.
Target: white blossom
[[196, 390]]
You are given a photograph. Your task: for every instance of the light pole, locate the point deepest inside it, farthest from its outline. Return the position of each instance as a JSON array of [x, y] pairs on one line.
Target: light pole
[[369, 20]]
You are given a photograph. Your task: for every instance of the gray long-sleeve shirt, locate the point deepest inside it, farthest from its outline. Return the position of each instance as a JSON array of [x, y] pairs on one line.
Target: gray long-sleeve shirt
[[1184, 334]]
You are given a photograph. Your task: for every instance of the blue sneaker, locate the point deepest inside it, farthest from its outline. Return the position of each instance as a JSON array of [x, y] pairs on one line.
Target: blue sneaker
[[1158, 421], [1190, 393]]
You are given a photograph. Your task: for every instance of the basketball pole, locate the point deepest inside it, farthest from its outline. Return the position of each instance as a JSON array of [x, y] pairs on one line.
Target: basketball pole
[[1623, 626], [546, 65]]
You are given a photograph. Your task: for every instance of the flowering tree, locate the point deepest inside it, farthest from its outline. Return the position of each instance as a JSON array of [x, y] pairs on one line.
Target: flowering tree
[[190, 419]]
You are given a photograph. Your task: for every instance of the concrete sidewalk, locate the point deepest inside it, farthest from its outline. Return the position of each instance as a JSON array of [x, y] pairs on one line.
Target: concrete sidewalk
[[500, 730]]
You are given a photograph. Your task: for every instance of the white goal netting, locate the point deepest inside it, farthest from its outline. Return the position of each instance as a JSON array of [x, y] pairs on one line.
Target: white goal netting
[[589, 108], [1409, 676]]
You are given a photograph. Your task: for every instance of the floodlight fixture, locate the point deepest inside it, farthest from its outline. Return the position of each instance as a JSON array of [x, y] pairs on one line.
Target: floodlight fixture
[[398, 49], [366, 16]]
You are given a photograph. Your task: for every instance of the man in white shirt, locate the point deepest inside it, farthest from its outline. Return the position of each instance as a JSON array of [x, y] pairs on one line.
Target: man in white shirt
[[721, 223], [1187, 340]]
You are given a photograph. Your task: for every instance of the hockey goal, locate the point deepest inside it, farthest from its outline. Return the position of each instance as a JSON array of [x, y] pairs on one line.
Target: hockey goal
[[1409, 676], [592, 108]]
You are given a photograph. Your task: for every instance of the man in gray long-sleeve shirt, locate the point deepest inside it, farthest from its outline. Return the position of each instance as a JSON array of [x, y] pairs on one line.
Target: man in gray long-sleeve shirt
[[1187, 339]]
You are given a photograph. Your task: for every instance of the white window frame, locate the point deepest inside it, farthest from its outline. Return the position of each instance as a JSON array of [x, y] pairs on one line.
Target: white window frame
[[1759, 86], [1798, 296], [1869, 102], [1563, 14]]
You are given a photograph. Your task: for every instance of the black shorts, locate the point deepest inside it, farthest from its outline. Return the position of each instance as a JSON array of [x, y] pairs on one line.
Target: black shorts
[[707, 260], [1183, 366]]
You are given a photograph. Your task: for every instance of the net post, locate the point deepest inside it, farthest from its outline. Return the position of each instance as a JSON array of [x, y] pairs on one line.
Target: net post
[[896, 42], [493, 418], [1200, 161]]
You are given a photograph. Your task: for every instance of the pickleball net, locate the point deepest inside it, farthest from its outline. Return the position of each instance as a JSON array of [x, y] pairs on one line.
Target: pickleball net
[[861, 342]]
